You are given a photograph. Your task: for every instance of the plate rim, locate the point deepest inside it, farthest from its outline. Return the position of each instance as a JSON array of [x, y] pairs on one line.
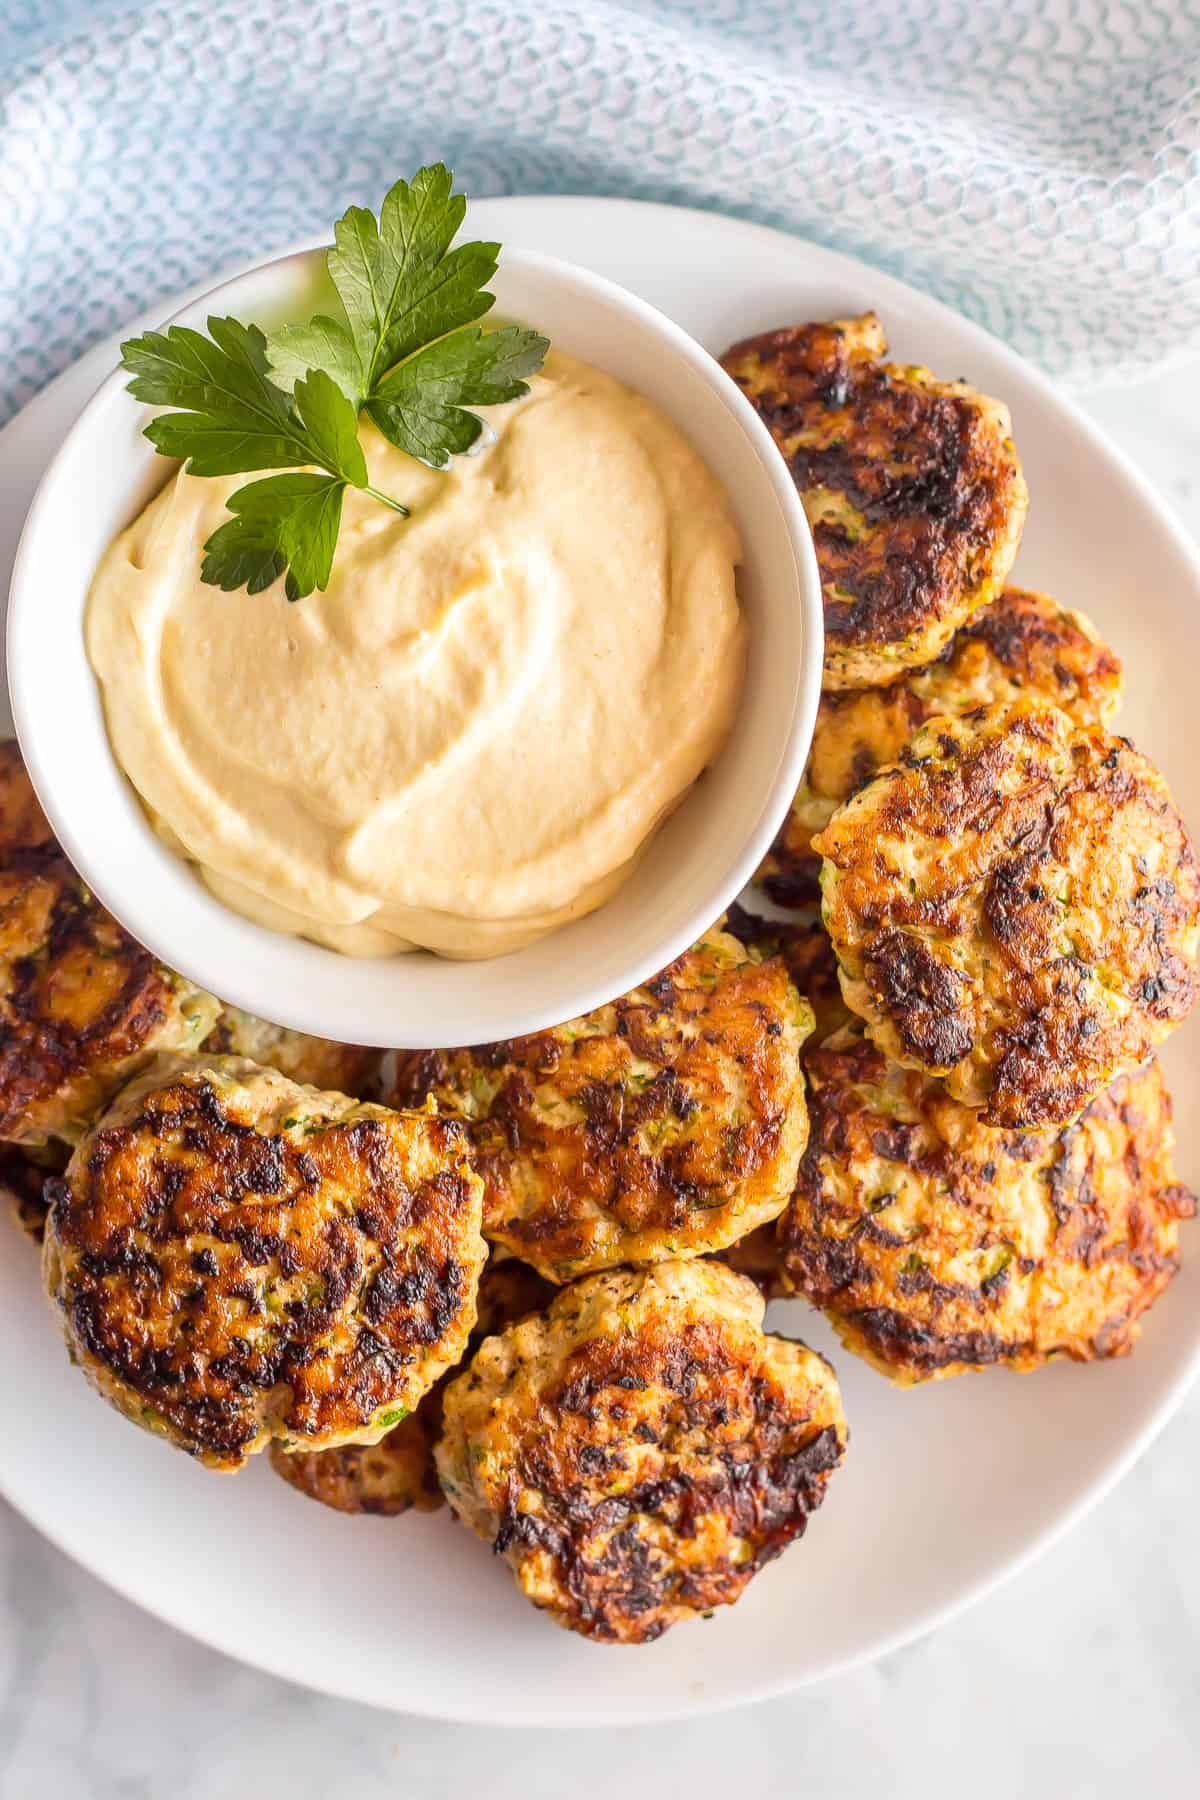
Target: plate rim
[[605, 1716], [98, 359]]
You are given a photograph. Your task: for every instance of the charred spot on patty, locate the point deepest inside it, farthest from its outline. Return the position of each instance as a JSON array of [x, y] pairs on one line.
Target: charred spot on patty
[[922, 994]]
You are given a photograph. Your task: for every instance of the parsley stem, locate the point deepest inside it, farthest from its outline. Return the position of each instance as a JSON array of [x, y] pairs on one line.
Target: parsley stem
[[385, 501]]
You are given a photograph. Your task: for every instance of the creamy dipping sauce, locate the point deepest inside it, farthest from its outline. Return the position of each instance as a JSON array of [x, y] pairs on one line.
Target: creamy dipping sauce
[[467, 740]]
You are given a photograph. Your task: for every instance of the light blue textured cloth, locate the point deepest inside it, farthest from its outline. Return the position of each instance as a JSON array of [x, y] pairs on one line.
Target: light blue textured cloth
[[1034, 162]]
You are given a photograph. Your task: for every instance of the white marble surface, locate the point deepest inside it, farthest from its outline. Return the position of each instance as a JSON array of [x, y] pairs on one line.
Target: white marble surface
[[1080, 1678]]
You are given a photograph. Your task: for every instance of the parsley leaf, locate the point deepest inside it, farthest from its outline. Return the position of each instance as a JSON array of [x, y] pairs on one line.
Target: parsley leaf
[[399, 281], [242, 400], [285, 522], [420, 405], [323, 343], [291, 521], [402, 350], [331, 426], [231, 417]]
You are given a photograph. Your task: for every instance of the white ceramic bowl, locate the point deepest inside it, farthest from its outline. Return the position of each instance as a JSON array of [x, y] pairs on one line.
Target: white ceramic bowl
[[105, 473]]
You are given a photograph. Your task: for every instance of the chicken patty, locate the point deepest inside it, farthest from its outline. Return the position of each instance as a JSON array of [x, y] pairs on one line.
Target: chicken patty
[[386, 1479], [238, 1258], [937, 1244], [82, 1006], [641, 1449], [397, 1474], [911, 485], [1015, 905], [1022, 646], [802, 943], [757, 1258], [23, 1177], [312, 1061], [666, 1124]]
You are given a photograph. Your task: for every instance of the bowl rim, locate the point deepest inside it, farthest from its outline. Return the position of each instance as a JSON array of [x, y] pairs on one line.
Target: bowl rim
[[581, 992]]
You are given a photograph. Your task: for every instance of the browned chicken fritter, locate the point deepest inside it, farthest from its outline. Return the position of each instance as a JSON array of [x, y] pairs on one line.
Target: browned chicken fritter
[[312, 1061], [23, 1178], [757, 1258], [387, 1479], [397, 1474], [24, 827], [237, 1258], [640, 1450], [668, 1123], [1023, 646], [936, 1244], [802, 943], [82, 1006], [911, 485], [1015, 905]]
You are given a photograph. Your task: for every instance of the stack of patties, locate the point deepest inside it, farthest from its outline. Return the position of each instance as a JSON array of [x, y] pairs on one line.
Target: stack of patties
[[638, 1448], [530, 1277], [238, 1256], [955, 1189], [84, 1008], [995, 908], [248, 1252]]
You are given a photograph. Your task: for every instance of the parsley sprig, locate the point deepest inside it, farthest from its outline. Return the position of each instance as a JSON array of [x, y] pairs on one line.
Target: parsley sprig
[[405, 350]]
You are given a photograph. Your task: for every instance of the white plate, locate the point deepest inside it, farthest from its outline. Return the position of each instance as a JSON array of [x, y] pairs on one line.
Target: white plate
[[946, 1489]]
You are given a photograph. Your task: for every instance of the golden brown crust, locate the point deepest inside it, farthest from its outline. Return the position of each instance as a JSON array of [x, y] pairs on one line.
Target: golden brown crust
[[669, 1123], [23, 1180], [808, 956], [912, 487], [937, 1245], [398, 1474], [1022, 646], [385, 1479], [238, 1258], [1015, 905], [508, 1292], [638, 1452], [312, 1061], [82, 1006], [23, 825], [757, 1258]]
